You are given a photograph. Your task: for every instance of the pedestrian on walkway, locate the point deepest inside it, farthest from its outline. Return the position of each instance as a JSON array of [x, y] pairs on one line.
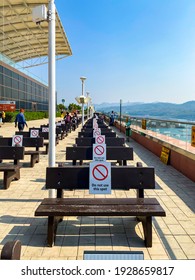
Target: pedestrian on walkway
[[1, 118], [20, 120]]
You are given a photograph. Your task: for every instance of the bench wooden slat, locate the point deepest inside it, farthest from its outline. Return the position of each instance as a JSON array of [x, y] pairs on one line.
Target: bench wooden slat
[[99, 201], [122, 177], [104, 210], [86, 153], [90, 134], [110, 141]]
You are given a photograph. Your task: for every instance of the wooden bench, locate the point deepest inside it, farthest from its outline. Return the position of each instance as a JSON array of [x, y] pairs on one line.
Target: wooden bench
[[110, 141], [11, 170], [103, 130], [121, 154], [61, 130], [122, 178], [45, 135], [99, 125], [11, 250], [28, 142], [90, 134]]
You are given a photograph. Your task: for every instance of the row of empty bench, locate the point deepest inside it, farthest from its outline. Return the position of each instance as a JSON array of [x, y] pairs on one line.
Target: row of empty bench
[[76, 177]]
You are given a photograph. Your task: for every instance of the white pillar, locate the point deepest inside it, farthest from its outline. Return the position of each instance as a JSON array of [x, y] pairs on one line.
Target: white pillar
[[83, 80], [52, 89], [82, 104]]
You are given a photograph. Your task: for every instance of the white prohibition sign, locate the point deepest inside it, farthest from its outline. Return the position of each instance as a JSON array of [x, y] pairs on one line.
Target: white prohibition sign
[[97, 132], [34, 133], [100, 139], [99, 150], [17, 140]]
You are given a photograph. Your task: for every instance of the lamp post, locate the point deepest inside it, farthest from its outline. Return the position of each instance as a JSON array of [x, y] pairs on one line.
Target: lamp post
[[120, 113], [83, 80], [88, 99]]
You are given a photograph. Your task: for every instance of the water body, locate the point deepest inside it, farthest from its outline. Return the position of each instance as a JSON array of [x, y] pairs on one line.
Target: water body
[[178, 128], [183, 134]]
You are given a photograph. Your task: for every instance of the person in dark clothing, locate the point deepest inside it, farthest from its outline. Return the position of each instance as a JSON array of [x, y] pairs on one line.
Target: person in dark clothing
[[20, 120], [111, 118]]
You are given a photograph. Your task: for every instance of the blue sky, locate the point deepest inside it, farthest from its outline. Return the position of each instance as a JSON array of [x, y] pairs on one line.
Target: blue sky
[[134, 50]]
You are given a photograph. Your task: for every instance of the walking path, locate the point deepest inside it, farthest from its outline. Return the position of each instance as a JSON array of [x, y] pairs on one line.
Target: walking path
[[173, 235]]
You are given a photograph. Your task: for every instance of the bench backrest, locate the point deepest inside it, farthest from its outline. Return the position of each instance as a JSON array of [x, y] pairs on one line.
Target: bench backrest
[[45, 135], [86, 153], [99, 126], [90, 129], [9, 152], [90, 134], [27, 141], [110, 141], [122, 177]]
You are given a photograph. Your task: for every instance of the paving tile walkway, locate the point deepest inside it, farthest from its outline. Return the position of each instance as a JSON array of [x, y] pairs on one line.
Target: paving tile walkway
[[173, 235]]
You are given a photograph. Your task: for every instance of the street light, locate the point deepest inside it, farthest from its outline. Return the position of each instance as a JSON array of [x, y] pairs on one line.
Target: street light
[[88, 101], [82, 101]]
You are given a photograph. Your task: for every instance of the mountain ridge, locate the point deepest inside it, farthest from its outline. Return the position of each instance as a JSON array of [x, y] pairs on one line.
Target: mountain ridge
[[184, 110]]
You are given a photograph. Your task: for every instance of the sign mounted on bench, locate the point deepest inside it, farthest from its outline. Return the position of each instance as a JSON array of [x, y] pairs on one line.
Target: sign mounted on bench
[[100, 139], [34, 133], [45, 129], [99, 152], [17, 140], [96, 132], [100, 178]]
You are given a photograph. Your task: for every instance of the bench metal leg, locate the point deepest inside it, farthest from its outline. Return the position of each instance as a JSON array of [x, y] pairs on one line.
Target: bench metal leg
[[34, 159], [147, 227], [140, 193], [52, 229], [10, 176]]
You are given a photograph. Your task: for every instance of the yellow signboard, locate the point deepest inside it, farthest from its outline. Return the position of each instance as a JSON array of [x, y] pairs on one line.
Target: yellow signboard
[[193, 136], [143, 124], [165, 153]]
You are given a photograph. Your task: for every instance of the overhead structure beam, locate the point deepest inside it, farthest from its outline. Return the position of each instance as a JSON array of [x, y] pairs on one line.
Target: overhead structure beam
[[21, 38]]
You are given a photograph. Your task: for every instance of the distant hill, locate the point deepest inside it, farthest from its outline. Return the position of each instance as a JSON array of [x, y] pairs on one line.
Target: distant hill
[[185, 111]]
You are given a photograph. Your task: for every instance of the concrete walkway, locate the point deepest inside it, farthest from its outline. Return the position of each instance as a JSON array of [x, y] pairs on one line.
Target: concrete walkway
[[173, 235]]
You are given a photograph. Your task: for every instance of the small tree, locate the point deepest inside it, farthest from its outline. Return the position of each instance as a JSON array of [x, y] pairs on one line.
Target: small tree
[[73, 107], [61, 107]]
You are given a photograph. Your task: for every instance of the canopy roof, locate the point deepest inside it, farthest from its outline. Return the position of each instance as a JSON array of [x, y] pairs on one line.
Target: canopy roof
[[21, 38]]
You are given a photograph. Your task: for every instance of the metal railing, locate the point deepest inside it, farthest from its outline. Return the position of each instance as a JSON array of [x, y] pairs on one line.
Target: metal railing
[[180, 133]]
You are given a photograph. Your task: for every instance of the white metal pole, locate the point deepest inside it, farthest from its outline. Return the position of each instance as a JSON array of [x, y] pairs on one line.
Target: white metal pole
[[52, 88], [82, 104], [87, 105]]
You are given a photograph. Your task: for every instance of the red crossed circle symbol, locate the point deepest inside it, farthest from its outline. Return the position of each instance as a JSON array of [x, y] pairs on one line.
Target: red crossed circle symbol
[[99, 150], [100, 139], [100, 172], [17, 140], [34, 132], [97, 132]]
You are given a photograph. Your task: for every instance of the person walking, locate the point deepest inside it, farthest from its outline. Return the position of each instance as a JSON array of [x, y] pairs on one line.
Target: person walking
[[111, 118], [20, 120], [3, 116], [0, 118]]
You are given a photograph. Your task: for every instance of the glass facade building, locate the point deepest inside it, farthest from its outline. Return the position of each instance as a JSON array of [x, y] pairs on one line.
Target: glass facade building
[[28, 93]]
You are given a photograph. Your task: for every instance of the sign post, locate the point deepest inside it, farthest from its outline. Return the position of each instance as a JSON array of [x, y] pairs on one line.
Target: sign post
[[100, 178]]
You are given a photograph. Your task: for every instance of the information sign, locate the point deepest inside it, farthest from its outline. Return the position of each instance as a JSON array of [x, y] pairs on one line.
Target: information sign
[[100, 178]]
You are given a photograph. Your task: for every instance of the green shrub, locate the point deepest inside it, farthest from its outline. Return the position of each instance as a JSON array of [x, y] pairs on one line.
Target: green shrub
[[29, 116]]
